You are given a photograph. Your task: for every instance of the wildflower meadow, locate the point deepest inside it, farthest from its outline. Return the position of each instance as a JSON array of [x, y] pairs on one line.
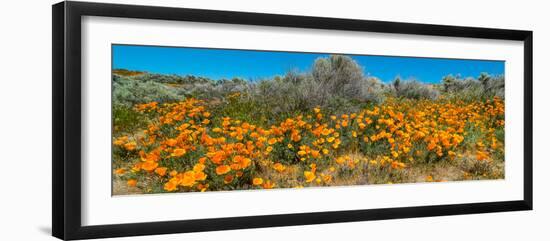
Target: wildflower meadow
[[329, 126]]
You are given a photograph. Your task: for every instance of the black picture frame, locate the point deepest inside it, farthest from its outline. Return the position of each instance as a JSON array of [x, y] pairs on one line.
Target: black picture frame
[[66, 128]]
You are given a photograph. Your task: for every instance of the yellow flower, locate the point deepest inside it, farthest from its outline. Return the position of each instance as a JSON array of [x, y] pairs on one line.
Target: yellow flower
[[398, 165], [327, 178], [120, 171], [451, 154], [257, 181], [130, 146], [120, 141], [136, 167], [268, 184], [394, 154], [272, 141], [310, 176], [279, 167], [188, 179], [429, 178], [481, 155], [199, 167]]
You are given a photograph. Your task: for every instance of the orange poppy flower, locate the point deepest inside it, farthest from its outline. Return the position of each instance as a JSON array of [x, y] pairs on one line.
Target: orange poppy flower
[[310, 176], [223, 169], [429, 178], [149, 166], [130, 146], [228, 179], [296, 137], [178, 152], [171, 186], [171, 142], [132, 182], [268, 184], [279, 167], [199, 167], [200, 176], [272, 141], [188, 179], [161, 171], [315, 154]]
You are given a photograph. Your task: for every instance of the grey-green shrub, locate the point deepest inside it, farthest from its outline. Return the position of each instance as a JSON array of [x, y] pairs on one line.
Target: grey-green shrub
[[128, 91], [413, 89], [485, 86]]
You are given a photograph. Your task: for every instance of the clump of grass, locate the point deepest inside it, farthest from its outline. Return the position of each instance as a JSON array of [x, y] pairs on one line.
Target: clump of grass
[[127, 120]]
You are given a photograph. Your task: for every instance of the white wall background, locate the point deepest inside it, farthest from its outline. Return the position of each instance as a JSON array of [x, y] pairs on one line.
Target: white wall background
[[25, 120]]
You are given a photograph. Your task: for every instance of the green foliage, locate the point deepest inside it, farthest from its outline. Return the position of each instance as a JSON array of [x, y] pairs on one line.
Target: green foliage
[[127, 120]]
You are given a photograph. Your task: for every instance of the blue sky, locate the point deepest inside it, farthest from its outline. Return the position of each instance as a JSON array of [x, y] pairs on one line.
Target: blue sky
[[252, 64]]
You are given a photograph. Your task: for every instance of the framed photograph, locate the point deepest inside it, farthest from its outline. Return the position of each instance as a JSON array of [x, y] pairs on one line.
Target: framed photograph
[[170, 120]]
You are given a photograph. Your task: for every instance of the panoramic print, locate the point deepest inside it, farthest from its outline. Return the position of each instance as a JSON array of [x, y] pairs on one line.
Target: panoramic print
[[199, 119]]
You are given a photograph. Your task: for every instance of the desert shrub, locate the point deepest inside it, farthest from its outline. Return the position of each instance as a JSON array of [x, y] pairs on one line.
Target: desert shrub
[[215, 89], [413, 89], [494, 86], [341, 77], [283, 95], [172, 79], [484, 87], [335, 83], [128, 91], [466, 89]]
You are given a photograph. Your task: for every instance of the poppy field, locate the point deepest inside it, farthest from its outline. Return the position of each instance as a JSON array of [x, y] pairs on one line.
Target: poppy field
[[193, 134]]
